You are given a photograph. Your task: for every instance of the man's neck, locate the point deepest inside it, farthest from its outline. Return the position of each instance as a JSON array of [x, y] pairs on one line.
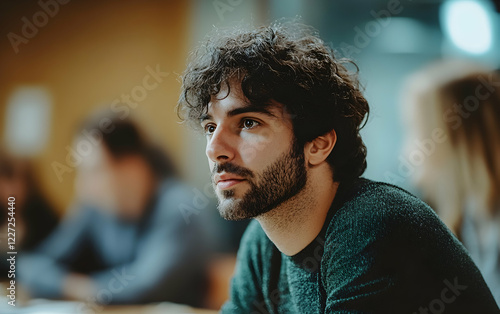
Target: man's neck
[[296, 223]]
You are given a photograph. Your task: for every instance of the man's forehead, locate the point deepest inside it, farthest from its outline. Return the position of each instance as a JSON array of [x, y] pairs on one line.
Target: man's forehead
[[226, 100]]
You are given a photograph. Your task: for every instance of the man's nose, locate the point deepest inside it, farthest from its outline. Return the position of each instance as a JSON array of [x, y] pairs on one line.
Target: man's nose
[[220, 147]]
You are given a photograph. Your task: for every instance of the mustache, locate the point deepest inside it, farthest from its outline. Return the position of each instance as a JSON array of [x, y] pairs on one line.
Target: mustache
[[232, 168]]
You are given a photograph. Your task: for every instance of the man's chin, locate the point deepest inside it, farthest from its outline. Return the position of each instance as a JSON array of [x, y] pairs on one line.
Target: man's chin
[[231, 209]]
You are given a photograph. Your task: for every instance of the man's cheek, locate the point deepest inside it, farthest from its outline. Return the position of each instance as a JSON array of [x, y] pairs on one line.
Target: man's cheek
[[261, 147], [248, 153]]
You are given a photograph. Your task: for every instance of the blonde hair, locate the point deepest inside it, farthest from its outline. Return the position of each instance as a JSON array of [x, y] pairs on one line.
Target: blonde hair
[[455, 98]]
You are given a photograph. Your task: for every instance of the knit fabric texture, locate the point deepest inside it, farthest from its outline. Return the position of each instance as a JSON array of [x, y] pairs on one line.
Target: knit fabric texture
[[381, 250]]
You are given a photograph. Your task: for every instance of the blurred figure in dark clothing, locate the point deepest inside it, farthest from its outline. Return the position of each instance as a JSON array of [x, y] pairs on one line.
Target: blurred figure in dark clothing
[[127, 226], [454, 118], [34, 217]]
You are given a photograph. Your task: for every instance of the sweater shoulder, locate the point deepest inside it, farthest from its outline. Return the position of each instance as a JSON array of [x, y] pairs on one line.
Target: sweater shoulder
[[380, 201], [383, 196], [375, 210]]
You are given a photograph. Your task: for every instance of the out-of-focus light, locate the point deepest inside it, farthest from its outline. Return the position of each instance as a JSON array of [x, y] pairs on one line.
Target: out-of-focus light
[[27, 120], [468, 25], [411, 36]]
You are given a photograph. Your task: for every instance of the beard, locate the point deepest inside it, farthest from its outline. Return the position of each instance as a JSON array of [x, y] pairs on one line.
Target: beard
[[279, 182]]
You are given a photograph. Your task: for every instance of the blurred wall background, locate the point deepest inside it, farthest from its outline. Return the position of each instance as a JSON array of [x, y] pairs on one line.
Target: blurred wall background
[[87, 55], [90, 53]]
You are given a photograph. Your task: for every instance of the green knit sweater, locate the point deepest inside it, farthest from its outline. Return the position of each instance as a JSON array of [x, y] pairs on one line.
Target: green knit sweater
[[381, 250]]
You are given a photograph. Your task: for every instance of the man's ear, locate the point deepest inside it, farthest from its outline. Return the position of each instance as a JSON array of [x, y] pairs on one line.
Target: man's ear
[[317, 150]]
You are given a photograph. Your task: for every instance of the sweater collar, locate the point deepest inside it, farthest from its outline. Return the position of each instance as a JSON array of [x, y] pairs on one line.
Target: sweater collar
[[309, 258]]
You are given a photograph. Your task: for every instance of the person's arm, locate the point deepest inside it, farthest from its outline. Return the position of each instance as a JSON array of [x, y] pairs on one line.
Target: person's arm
[[43, 271], [80, 287], [169, 259]]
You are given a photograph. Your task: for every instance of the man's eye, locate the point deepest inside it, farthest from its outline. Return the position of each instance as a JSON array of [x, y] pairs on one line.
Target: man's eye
[[209, 129], [249, 123]]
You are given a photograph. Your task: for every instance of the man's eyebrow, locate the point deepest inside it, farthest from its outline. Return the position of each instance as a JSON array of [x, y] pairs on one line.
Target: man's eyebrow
[[252, 108], [204, 117]]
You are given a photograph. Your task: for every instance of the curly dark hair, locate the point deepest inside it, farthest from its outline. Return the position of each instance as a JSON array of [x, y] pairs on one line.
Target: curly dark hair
[[290, 64]]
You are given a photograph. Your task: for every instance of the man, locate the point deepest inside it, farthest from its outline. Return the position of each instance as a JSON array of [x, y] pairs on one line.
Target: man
[[126, 241], [282, 118]]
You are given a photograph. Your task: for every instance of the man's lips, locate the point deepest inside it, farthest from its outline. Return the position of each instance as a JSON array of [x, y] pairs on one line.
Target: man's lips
[[226, 184], [226, 181]]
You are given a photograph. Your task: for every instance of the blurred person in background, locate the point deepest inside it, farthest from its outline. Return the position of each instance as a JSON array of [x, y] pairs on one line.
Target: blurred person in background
[[453, 113], [34, 217], [125, 240]]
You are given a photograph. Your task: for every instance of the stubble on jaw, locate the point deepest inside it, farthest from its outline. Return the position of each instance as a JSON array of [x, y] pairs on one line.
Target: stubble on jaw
[[279, 182]]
